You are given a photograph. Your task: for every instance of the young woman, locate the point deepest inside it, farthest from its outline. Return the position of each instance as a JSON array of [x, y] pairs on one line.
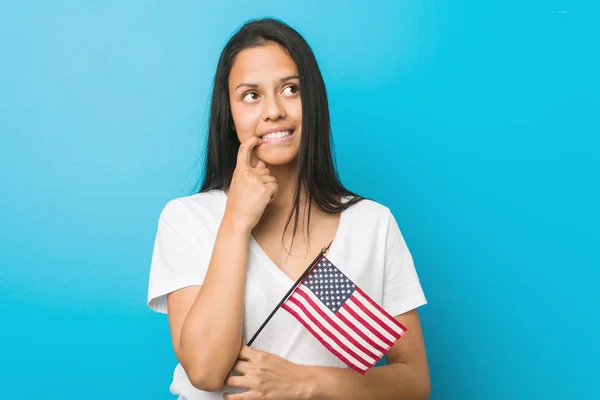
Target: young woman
[[224, 257]]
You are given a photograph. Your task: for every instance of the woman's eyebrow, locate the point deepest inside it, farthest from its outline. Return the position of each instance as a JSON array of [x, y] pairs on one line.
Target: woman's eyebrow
[[254, 85], [250, 85], [287, 78]]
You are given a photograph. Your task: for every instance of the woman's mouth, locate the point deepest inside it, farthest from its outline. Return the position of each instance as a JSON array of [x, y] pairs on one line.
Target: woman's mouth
[[278, 137]]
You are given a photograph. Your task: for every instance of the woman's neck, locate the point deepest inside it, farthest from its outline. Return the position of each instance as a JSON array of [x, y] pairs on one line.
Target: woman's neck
[[286, 176]]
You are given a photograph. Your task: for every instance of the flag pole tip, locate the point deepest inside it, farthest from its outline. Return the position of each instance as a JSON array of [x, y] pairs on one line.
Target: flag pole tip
[[325, 249]]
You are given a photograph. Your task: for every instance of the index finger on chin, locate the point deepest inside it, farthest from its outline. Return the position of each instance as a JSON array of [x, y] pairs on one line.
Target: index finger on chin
[[245, 151]]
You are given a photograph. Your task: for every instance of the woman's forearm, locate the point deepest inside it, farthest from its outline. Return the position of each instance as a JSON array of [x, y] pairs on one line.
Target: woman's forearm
[[396, 381], [211, 336]]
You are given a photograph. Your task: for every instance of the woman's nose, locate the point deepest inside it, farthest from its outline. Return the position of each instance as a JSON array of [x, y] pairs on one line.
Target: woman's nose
[[273, 109]]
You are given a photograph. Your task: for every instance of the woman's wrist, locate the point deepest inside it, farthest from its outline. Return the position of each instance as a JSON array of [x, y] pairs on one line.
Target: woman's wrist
[[233, 226]]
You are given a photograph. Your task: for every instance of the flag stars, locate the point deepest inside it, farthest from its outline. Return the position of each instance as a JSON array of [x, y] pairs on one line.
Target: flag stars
[[329, 285]]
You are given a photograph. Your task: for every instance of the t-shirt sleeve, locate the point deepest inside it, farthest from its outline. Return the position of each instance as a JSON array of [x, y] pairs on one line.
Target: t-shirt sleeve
[[177, 260], [402, 289]]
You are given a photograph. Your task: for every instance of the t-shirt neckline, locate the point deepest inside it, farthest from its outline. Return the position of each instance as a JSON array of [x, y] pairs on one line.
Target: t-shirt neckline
[[331, 252]]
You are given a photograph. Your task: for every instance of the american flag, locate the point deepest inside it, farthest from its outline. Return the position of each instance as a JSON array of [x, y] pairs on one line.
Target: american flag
[[343, 317]]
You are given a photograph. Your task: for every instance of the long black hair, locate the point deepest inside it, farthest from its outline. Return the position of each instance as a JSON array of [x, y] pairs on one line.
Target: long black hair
[[316, 165]]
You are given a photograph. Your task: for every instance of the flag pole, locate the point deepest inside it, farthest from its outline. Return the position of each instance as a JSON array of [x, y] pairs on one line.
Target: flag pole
[[304, 274]]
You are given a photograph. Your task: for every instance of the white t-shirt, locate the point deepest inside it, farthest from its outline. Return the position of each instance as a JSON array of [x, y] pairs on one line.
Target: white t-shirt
[[368, 248]]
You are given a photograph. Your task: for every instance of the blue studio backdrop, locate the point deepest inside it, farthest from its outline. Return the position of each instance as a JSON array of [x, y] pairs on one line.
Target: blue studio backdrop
[[475, 122]]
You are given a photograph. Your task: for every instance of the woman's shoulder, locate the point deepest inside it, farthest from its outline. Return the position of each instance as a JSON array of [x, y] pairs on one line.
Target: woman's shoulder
[[204, 206], [369, 208]]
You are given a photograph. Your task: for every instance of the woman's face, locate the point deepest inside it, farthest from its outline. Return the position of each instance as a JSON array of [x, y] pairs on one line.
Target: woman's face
[[264, 96]]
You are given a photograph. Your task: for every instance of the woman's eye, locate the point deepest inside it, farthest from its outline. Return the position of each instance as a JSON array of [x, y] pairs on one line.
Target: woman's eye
[[290, 90], [250, 97]]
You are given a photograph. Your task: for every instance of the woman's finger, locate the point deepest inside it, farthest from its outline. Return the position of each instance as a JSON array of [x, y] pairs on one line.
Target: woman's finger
[[241, 367], [274, 188], [248, 395], [246, 352], [260, 171], [237, 381], [244, 155], [267, 179]]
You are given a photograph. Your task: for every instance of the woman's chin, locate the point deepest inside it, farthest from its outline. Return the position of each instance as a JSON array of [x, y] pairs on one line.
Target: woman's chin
[[279, 160], [276, 157]]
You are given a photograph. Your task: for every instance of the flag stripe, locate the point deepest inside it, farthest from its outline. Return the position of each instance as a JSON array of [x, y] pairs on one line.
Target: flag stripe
[[307, 312], [360, 333], [360, 309], [345, 326], [381, 343], [382, 312], [366, 353], [307, 325], [364, 323], [374, 317]]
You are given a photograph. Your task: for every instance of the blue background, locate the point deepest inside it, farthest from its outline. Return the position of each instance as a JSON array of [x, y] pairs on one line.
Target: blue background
[[475, 122]]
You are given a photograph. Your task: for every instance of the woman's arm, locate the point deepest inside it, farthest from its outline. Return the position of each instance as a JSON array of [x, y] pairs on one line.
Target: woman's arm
[[268, 376], [405, 377], [206, 321]]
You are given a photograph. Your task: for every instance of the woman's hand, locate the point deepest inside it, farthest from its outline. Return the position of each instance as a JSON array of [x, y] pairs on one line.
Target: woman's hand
[[268, 376], [252, 188]]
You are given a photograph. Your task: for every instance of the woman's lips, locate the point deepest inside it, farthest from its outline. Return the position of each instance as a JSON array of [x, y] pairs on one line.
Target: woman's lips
[[278, 140]]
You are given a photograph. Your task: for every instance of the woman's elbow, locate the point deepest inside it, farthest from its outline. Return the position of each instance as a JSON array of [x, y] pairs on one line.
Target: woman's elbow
[[426, 391], [203, 375], [205, 371], [202, 380]]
